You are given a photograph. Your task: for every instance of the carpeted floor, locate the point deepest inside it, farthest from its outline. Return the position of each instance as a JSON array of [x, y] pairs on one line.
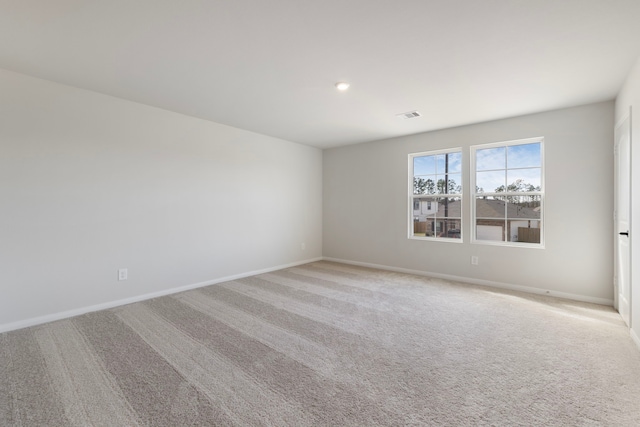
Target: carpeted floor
[[330, 345]]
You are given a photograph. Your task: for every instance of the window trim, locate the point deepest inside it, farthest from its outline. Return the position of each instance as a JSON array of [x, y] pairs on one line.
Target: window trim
[[412, 196], [474, 194]]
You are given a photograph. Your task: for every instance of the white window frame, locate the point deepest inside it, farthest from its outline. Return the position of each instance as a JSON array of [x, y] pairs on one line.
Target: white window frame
[[474, 194], [413, 197]]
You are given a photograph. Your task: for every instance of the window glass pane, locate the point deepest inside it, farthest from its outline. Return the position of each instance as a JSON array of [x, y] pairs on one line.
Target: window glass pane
[[455, 162], [424, 207], [455, 183], [489, 182], [419, 228], [438, 217], [449, 184], [424, 165], [449, 207], [523, 156], [524, 231], [533, 202], [487, 229], [449, 229], [491, 158], [490, 207], [424, 212], [440, 163], [524, 179], [523, 207], [423, 185]]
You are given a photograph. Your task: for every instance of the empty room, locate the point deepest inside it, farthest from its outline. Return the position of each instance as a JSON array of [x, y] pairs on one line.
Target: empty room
[[336, 213]]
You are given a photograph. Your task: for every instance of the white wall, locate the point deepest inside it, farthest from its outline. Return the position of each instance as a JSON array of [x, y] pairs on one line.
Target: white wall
[[90, 184], [365, 206], [629, 96]]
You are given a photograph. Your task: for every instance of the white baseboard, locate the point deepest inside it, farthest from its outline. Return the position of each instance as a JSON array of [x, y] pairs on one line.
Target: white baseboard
[[527, 289], [83, 310]]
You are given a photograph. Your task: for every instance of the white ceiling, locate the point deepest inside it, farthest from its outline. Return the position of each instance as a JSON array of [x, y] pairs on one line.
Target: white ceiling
[[269, 66]]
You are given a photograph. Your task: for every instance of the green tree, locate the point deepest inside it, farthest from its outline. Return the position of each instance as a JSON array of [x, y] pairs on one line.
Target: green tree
[[423, 186], [519, 186], [449, 188]]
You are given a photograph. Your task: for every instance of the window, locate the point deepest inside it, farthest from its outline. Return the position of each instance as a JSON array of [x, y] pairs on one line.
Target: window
[[435, 188], [508, 197]]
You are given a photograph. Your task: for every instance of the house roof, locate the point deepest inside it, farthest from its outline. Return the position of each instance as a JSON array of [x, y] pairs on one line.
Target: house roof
[[489, 208], [270, 66]]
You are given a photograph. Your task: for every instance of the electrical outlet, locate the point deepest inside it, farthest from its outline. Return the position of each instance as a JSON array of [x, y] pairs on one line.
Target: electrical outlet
[[123, 274], [474, 260], [303, 246]]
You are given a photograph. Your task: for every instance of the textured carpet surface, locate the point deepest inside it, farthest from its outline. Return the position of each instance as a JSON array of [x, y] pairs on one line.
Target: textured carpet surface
[[330, 345]]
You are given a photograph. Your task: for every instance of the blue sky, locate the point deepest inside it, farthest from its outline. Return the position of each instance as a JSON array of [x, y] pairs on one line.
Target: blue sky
[[504, 165], [435, 164], [515, 156], [496, 166]]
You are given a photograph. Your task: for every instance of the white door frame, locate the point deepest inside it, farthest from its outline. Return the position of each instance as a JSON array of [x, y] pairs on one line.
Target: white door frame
[[622, 217]]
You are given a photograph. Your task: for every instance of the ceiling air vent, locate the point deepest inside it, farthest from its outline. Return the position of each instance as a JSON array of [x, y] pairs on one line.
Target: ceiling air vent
[[409, 115]]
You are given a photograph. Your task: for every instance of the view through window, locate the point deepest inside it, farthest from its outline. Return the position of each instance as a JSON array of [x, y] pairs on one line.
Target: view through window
[[436, 197], [508, 195]]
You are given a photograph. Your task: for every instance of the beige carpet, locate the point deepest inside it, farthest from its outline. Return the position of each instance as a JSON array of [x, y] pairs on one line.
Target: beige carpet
[[330, 345]]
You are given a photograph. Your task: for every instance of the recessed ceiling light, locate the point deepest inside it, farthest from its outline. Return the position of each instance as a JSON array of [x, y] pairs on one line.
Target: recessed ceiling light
[[342, 86]]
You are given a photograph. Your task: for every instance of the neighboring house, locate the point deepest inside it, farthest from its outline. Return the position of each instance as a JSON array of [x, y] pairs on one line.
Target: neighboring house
[[522, 222], [423, 209], [438, 219], [444, 220]]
